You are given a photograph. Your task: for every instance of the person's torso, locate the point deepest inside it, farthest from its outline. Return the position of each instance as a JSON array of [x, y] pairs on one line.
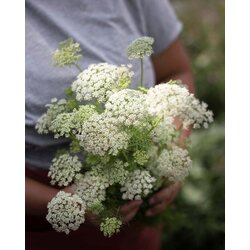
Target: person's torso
[[103, 28]]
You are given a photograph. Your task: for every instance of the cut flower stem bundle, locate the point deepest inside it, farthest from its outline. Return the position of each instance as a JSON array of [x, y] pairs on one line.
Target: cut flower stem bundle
[[123, 141]]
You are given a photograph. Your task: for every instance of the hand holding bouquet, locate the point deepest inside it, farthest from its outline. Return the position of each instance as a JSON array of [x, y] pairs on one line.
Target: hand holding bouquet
[[123, 142]]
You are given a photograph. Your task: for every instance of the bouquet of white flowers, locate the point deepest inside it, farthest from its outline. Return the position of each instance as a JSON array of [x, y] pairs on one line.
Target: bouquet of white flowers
[[123, 142]]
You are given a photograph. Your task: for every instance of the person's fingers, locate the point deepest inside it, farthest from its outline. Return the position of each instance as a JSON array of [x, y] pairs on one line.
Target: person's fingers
[[166, 194], [128, 207], [156, 209], [69, 189], [163, 195], [129, 216]]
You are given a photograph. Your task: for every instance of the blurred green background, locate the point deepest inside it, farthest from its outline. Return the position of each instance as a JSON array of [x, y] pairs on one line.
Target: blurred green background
[[196, 219]]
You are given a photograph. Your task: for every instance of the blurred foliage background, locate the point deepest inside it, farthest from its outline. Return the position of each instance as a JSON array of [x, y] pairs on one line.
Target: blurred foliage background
[[196, 219]]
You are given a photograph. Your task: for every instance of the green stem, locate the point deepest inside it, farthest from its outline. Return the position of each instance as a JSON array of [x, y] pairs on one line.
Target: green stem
[[78, 67], [141, 72], [156, 124], [125, 156]]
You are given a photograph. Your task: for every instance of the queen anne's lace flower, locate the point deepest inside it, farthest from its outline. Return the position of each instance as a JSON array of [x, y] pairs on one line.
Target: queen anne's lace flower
[[91, 188], [67, 54], [173, 164], [114, 173], [164, 133], [66, 124], [140, 47], [138, 185], [110, 226], [64, 169], [99, 81], [55, 108], [141, 157], [82, 114], [65, 212], [172, 100], [101, 136], [127, 107]]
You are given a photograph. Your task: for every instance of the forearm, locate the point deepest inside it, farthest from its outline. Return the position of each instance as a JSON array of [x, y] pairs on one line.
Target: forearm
[[185, 77], [37, 196]]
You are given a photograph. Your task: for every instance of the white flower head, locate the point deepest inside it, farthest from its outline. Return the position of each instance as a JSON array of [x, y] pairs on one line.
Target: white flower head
[[100, 136], [55, 108], [99, 81], [174, 164], [138, 185], [65, 212], [128, 107], [91, 188], [165, 132], [173, 100], [110, 226], [113, 173], [140, 47], [64, 169], [67, 54]]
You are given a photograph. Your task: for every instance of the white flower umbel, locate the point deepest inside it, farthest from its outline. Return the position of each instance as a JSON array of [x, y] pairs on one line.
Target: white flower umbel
[[55, 108], [99, 81], [66, 124], [140, 48], [128, 107], [64, 169], [82, 114], [167, 100], [110, 226], [65, 212], [138, 185], [141, 157], [165, 132], [173, 164], [91, 188], [67, 54], [101, 136], [172, 100], [62, 125], [114, 173]]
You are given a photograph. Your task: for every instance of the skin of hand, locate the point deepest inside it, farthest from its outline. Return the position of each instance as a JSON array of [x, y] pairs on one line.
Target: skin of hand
[[162, 199]]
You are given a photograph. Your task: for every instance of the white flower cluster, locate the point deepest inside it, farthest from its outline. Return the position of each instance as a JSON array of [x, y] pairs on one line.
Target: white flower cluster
[[65, 212], [82, 114], [101, 136], [91, 188], [67, 54], [99, 81], [64, 169], [66, 124], [197, 114], [138, 185], [110, 226], [141, 157], [140, 47], [173, 164], [128, 107], [164, 133], [115, 173], [55, 108], [172, 100], [62, 125]]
